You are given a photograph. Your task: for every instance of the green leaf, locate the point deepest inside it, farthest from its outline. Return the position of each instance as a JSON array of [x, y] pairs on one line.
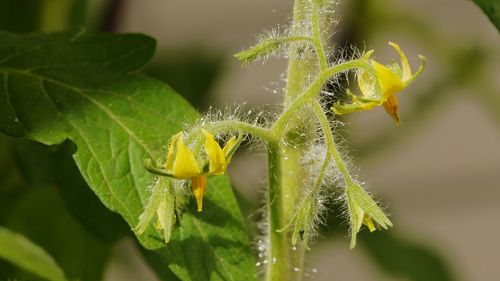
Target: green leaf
[[86, 88], [41, 216], [395, 255], [216, 234], [401, 257], [27, 255], [36, 164], [492, 9], [26, 18], [31, 204]]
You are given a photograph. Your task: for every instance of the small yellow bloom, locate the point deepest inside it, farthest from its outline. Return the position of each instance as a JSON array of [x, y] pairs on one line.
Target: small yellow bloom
[[182, 163], [382, 87]]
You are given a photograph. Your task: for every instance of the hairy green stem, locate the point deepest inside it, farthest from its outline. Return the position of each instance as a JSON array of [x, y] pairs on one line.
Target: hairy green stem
[[295, 39], [288, 178], [297, 69], [320, 51], [229, 126], [313, 90], [286, 175], [241, 127], [331, 147], [278, 252]]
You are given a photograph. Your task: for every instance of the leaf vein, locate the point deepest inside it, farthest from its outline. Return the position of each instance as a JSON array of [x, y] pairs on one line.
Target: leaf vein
[[94, 101], [9, 102], [93, 153]]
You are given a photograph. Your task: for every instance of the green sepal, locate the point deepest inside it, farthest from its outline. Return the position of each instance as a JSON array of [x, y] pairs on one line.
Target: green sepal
[[362, 208]]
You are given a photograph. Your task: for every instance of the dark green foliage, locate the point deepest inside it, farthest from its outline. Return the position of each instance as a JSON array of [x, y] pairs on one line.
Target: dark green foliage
[[41, 216], [401, 257], [393, 254], [86, 88], [36, 209], [22, 252]]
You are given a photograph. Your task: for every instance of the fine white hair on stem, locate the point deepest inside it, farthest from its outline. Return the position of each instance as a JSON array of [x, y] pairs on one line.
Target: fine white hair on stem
[[261, 116], [341, 200], [338, 83], [261, 242], [237, 112]]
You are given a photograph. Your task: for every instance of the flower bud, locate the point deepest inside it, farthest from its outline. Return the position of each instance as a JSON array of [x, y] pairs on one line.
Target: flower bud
[[306, 219], [261, 50], [363, 210]]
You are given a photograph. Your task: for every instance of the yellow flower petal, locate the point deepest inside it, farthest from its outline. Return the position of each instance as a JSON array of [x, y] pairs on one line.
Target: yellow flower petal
[[198, 186], [366, 84], [391, 107], [215, 155], [390, 83], [229, 150], [405, 65], [380, 88], [185, 165], [169, 166]]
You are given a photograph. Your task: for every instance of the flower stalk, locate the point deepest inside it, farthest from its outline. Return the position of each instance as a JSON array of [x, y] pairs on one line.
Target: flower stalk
[[295, 190]]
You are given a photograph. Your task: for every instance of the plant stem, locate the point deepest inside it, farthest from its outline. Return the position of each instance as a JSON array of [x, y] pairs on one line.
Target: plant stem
[[54, 15], [242, 127], [323, 62], [298, 69], [313, 90], [288, 178], [286, 175], [278, 252], [331, 148]]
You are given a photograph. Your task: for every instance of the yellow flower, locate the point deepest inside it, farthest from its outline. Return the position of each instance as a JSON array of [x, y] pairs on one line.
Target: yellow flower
[[182, 163], [392, 79]]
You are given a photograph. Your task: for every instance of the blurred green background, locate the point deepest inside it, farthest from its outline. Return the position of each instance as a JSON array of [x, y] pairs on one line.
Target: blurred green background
[[438, 173]]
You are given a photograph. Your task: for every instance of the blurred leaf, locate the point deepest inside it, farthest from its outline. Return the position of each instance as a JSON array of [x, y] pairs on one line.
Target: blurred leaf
[[12, 186], [23, 157], [83, 204], [158, 265], [53, 165], [23, 253], [191, 72], [35, 209], [78, 14], [19, 15], [42, 15], [85, 88], [492, 9], [41, 216], [395, 255], [401, 257]]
